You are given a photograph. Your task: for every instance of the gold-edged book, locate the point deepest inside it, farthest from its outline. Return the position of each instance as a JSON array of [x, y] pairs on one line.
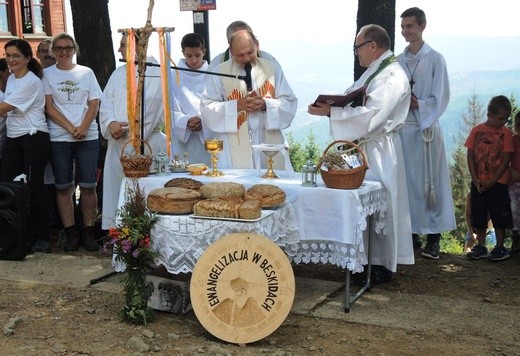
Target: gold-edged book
[[356, 97]]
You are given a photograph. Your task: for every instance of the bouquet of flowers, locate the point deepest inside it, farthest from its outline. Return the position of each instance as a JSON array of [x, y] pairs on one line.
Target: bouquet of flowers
[[130, 241]]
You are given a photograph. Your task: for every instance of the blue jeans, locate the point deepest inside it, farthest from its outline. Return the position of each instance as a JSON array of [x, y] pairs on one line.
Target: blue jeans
[[79, 155]]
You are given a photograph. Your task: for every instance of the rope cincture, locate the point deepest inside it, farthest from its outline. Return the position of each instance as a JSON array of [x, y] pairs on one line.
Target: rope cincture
[[429, 188]]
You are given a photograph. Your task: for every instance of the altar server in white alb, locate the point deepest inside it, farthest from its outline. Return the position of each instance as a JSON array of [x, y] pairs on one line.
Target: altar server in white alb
[[242, 117], [375, 124], [190, 130], [113, 120], [429, 187]]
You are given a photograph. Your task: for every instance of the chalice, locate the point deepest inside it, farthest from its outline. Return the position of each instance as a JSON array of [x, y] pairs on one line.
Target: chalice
[[214, 147], [270, 150], [270, 171]]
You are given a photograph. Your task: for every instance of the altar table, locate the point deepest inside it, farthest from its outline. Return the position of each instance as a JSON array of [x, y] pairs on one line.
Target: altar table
[[315, 225]]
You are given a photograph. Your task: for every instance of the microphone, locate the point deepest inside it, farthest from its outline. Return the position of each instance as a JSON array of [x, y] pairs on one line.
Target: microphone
[[247, 77]]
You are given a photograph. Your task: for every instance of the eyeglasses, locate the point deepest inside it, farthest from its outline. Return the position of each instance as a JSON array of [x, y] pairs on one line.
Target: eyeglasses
[[355, 48], [61, 49], [14, 56]]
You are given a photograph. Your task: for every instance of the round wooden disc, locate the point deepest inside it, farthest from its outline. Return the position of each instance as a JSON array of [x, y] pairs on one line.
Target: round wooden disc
[[242, 288]]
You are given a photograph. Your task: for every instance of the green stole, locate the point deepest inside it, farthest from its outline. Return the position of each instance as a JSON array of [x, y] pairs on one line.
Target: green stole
[[385, 63]]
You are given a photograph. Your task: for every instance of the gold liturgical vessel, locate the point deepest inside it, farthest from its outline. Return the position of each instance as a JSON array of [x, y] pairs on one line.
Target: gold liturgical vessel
[[270, 171], [214, 147]]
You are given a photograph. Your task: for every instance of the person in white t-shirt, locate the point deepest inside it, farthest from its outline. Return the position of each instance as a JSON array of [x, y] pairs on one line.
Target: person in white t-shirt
[[72, 96], [26, 149], [4, 74]]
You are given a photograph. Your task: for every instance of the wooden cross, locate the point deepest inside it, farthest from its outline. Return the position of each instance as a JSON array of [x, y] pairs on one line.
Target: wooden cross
[[143, 34]]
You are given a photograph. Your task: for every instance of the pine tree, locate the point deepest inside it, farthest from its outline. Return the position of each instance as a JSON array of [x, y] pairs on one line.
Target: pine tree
[[312, 151], [459, 173], [296, 153]]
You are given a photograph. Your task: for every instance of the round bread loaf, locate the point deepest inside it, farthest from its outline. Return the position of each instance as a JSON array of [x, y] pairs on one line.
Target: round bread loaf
[[187, 183], [270, 195], [222, 189], [172, 200], [229, 207]]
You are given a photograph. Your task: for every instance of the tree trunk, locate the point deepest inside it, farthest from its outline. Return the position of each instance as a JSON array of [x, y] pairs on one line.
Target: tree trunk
[[94, 37], [380, 12]]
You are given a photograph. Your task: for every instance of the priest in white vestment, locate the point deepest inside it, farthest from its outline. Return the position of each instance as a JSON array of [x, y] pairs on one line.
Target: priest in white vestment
[[190, 130], [242, 117], [428, 177], [113, 120], [375, 124]]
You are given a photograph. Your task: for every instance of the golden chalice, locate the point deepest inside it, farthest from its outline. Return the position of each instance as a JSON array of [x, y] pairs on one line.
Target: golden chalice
[[270, 150], [214, 147], [270, 171]]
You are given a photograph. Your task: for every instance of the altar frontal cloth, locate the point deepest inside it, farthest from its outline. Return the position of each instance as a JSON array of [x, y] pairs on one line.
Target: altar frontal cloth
[[242, 288]]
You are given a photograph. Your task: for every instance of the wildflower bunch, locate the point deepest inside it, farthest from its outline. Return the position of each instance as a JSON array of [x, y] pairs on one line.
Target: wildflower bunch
[[130, 242]]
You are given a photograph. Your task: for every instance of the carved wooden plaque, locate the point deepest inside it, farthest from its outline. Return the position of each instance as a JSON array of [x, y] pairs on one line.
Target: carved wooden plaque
[[242, 288]]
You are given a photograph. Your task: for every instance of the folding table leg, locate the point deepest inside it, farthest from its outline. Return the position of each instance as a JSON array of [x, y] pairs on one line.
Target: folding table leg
[[348, 299]]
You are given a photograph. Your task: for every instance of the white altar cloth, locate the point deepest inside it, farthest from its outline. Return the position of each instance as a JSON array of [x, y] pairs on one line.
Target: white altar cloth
[[319, 225]]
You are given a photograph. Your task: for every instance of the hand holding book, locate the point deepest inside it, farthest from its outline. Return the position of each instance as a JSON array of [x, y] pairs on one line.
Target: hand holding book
[[355, 98]]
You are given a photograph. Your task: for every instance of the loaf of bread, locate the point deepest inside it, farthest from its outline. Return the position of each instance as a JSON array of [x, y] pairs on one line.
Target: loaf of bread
[[229, 207], [182, 182], [270, 195], [222, 189], [172, 200]]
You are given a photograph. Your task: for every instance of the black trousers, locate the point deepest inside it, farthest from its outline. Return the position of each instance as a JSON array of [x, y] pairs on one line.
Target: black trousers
[[29, 155]]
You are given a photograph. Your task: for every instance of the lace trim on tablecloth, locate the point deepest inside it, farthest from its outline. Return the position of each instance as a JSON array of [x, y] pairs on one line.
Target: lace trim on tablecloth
[[181, 240], [348, 255]]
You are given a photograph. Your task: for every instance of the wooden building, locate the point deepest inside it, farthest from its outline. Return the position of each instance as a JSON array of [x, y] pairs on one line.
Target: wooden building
[[32, 20]]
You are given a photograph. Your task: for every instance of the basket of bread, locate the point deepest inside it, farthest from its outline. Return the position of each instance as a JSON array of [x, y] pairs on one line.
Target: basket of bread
[[216, 200], [136, 166], [343, 165]]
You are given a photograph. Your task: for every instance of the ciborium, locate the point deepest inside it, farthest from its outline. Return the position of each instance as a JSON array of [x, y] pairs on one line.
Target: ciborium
[[214, 147]]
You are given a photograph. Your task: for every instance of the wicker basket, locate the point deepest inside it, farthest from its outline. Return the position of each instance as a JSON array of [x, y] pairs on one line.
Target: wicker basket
[[136, 166], [344, 178]]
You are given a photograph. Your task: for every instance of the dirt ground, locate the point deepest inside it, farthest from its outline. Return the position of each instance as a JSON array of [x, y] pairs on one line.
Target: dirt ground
[[42, 319]]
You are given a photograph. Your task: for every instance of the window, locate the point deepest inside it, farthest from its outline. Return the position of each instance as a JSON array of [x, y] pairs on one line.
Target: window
[[4, 17], [32, 16]]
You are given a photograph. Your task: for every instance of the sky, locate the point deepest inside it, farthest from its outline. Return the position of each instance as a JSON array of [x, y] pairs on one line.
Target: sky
[[313, 40], [278, 23]]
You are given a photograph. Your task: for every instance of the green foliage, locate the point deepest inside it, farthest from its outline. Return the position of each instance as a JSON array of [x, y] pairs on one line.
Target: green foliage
[[460, 182], [299, 155], [459, 172], [312, 150], [452, 244], [296, 153]]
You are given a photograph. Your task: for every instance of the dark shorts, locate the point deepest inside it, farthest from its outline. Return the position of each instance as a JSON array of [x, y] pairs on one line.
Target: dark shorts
[[79, 156], [496, 202]]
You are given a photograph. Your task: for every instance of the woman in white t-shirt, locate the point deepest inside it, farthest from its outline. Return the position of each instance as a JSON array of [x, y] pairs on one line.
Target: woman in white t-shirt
[[72, 96], [4, 74], [26, 148]]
